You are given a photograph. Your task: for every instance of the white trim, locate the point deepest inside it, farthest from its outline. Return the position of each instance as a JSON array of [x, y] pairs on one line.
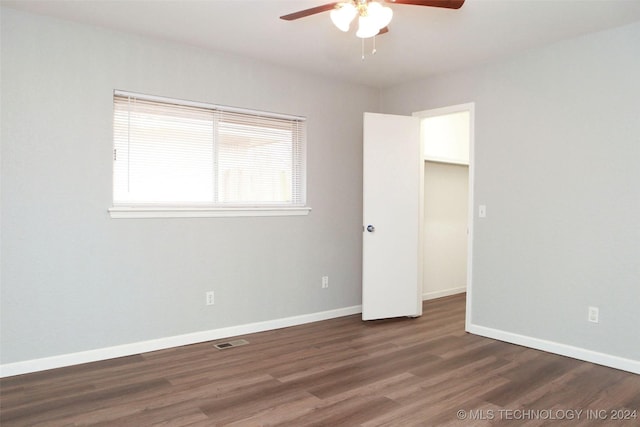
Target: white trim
[[421, 221], [443, 293], [175, 212], [60, 361], [63, 360], [558, 348], [445, 160], [471, 214], [443, 111]]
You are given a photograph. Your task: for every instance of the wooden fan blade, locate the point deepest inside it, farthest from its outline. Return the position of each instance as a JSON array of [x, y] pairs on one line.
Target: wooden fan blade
[[308, 12], [449, 4], [382, 31]]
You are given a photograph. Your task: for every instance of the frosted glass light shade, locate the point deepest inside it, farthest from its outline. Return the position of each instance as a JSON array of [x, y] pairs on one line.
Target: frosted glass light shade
[[383, 18], [342, 16], [367, 27], [376, 18]]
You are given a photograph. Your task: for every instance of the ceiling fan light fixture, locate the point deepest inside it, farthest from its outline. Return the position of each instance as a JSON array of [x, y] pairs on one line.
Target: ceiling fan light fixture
[[373, 17], [342, 15]]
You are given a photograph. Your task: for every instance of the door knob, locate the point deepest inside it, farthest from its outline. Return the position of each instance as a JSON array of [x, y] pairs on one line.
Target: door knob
[[371, 228]]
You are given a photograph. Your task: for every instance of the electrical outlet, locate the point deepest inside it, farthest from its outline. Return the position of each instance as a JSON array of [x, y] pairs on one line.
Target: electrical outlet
[[594, 315], [209, 298], [325, 282]]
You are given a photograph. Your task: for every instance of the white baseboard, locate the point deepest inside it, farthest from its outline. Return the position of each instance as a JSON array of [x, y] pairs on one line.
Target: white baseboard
[[63, 360], [444, 293], [60, 361], [557, 348]]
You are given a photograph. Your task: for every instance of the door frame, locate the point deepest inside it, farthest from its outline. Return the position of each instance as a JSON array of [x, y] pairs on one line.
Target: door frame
[[467, 107]]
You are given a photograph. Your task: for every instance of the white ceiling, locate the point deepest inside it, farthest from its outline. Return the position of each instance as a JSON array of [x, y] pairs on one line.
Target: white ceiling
[[422, 40]]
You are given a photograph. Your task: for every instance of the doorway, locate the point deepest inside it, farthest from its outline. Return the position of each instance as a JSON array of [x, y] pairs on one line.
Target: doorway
[[393, 175], [447, 139]]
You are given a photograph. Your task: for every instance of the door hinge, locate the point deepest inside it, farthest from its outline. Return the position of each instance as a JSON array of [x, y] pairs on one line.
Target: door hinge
[[115, 154]]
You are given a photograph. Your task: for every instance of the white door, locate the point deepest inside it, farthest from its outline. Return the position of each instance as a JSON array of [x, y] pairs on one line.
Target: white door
[[392, 202]]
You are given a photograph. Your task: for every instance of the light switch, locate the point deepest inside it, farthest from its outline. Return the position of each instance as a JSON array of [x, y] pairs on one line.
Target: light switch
[[482, 211]]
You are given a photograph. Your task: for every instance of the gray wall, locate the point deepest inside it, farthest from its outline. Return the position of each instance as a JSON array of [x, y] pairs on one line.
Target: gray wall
[[557, 149], [557, 152], [74, 279]]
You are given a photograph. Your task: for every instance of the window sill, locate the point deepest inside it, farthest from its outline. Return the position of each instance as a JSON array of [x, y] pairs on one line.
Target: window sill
[[168, 212]]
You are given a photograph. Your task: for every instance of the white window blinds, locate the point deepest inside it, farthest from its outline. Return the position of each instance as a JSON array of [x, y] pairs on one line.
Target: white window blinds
[[168, 153]]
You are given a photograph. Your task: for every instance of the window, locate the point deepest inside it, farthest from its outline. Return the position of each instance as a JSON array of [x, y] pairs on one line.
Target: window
[[175, 158]]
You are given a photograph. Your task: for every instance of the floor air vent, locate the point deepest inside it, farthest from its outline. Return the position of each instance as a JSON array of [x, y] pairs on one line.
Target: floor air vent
[[229, 344]]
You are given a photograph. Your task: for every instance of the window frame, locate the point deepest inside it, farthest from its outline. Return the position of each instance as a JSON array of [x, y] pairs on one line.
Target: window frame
[[162, 210]]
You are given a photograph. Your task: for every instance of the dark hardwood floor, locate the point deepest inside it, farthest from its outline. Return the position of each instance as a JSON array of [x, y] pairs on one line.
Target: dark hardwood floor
[[342, 372]]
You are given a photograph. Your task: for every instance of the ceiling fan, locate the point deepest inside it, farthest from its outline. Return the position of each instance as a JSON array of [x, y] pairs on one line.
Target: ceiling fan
[[373, 17]]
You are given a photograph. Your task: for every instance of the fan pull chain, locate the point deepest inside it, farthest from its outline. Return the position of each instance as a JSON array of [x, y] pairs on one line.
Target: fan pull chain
[[373, 51]]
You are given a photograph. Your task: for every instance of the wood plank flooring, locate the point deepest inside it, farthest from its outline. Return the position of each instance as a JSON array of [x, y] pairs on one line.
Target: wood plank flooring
[[341, 372]]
